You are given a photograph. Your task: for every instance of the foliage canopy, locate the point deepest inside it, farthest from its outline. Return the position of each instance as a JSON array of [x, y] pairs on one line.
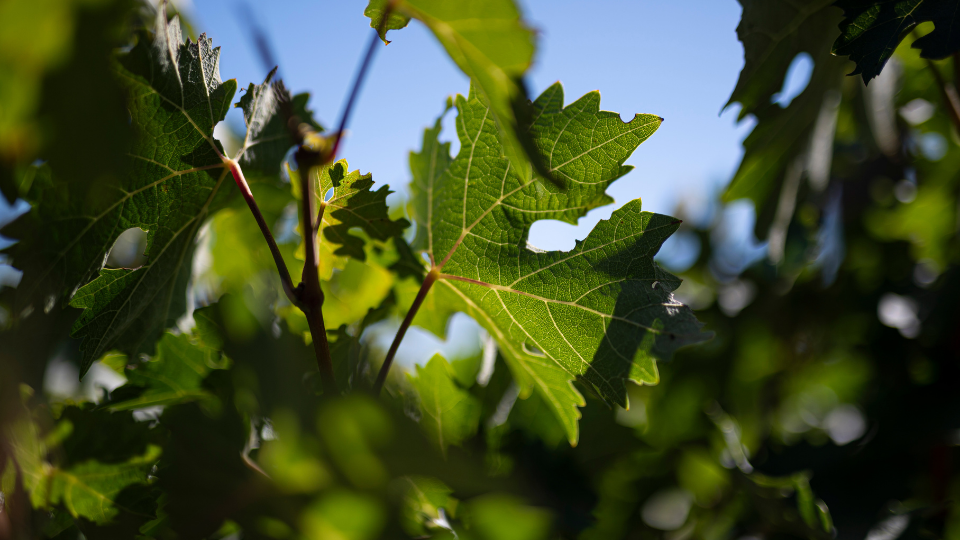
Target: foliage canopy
[[248, 403]]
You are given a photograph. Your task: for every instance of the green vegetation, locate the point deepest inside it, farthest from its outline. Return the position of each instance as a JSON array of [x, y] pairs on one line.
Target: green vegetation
[[809, 393]]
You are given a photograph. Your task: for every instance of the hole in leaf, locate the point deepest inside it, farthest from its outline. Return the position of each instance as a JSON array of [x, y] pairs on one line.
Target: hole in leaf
[[533, 351], [328, 195], [127, 251], [796, 80]]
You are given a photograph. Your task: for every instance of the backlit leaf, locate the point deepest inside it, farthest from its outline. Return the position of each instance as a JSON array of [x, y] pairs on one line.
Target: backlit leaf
[[601, 313]]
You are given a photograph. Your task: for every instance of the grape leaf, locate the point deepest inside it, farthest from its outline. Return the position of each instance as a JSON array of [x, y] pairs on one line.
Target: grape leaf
[[268, 139], [176, 98], [449, 414], [491, 45], [505, 517], [426, 501], [352, 203], [88, 489], [174, 375], [601, 313], [773, 33], [872, 29], [376, 10], [347, 201]]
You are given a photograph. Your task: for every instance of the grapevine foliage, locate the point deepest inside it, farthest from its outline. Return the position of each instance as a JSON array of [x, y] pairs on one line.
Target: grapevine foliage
[[871, 31], [601, 313], [566, 421]]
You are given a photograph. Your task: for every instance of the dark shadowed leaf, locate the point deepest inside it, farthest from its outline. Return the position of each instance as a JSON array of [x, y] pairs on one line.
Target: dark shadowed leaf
[[872, 29]]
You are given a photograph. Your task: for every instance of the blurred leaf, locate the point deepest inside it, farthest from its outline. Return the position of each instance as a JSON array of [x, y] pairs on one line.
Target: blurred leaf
[[95, 490], [701, 474], [344, 515], [610, 308], [61, 100], [505, 517], [291, 457], [449, 413], [872, 29], [352, 428], [205, 471], [376, 10], [426, 501], [174, 375], [812, 511], [773, 33]]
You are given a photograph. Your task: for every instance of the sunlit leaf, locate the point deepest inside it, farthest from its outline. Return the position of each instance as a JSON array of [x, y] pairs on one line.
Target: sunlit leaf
[[602, 313], [348, 201]]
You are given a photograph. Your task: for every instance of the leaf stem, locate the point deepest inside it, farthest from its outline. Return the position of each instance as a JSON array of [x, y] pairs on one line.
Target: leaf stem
[[285, 279], [311, 295], [428, 282]]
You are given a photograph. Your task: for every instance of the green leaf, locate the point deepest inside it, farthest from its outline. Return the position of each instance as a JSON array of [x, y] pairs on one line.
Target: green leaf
[[601, 313], [97, 491], [423, 500], [352, 203], [344, 514], [176, 98], [773, 33], [505, 517], [92, 489], [174, 375], [871, 31], [375, 11], [347, 202], [449, 414], [491, 45], [268, 139]]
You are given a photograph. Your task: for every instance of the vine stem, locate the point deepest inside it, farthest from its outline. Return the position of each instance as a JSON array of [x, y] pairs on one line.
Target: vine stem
[[428, 282], [285, 279], [311, 295]]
